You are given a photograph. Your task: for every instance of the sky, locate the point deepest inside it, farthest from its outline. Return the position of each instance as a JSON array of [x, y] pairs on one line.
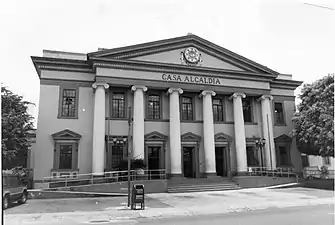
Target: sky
[[288, 36]]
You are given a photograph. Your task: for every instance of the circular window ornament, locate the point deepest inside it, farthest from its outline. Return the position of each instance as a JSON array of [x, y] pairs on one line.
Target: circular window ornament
[[192, 55]]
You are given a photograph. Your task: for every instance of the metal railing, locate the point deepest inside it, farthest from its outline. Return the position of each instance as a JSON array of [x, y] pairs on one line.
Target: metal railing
[[315, 172], [266, 171], [107, 177]]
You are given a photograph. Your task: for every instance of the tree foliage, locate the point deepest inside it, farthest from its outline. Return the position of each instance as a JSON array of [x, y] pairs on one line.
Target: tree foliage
[[314, 120], [16, 125]]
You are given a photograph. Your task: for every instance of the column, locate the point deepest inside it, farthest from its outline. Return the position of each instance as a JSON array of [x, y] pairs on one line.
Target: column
[[209, 140], [270, 151], [138, 123], [240, 145], [98, 153], [175, 141]]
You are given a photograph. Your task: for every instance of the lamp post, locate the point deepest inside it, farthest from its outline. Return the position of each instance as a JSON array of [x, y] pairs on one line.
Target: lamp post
[[130, 119], [260, 143]]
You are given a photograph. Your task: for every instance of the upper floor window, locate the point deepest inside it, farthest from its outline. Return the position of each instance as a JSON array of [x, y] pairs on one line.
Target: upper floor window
[[247, 109], [217, 110], [118, 105], [154, 106], [187, 108], [279, 113], [69, 103]]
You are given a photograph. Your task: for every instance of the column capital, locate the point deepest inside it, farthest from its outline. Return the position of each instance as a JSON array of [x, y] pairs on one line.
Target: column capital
[[236, 95], [138, 87], [179, 90], [97, 84], [207, 92], [263, 97]]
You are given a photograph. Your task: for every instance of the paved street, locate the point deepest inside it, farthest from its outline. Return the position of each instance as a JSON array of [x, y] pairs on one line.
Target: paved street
[[195, 208], [307, 215]]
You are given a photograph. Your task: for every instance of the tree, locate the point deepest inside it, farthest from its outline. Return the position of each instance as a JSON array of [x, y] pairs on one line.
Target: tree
[[16, 125], [314, 120]]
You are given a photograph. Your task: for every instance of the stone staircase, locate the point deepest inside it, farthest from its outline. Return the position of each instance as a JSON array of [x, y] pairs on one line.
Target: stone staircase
[[199, 185]]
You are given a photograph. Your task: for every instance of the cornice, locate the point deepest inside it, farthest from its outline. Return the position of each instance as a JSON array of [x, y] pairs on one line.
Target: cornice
[[156, 46], [285, 84], [178, 69], [45, 63]]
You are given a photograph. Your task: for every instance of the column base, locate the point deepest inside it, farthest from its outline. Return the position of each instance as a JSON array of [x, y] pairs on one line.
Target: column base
[[175, 176]]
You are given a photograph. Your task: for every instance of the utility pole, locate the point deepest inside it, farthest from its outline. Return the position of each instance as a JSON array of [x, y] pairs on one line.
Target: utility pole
[[130, 118]]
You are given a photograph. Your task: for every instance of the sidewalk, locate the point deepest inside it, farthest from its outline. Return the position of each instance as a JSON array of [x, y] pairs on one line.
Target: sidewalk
[[188, 204]]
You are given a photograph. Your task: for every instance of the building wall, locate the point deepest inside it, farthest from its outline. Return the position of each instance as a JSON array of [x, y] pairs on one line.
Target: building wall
[[319, 161], [48, 124]]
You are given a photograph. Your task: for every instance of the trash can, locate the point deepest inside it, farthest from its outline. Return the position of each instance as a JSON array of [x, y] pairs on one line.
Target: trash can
[[137, 196]]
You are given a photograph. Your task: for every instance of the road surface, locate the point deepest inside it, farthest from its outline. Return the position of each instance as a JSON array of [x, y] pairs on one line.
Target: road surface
[[308, 215]]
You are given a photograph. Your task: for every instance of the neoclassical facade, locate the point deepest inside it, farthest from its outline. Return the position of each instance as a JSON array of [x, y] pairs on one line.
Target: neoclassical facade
[[196, 110]]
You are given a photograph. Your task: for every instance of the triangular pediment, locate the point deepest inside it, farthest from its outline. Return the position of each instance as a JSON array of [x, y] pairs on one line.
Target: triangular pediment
[[66, 135], [171, 51], [155, 136], [190, 137], [283, 138], [222, 137]]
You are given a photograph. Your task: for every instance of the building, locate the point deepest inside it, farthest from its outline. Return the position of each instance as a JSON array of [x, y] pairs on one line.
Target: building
[[197, 108]]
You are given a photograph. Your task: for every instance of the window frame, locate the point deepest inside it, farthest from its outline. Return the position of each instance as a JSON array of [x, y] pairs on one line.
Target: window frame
[[274, 113], [222, 98], [60, 101], [191, 96], [74, 159], [112, 92], [159, 94]]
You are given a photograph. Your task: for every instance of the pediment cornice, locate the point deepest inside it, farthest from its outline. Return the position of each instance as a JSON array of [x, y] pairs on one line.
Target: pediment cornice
[[66, 135], [183, 41]]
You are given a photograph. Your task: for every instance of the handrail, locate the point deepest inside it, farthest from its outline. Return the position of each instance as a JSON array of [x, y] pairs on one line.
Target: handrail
[[108, 177]]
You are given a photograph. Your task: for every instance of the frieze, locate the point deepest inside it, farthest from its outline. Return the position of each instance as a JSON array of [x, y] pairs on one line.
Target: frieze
[[191, 79]]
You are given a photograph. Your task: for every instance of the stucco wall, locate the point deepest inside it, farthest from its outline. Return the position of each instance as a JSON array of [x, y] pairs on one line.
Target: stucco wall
[[174, 57], [48, 124], [319, 161]]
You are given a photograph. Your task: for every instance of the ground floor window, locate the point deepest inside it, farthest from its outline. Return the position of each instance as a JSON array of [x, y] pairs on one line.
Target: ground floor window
[[65, 157], [283, 155], [252, 157]]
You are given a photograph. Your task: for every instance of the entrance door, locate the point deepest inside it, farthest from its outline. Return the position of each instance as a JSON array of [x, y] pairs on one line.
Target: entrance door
[[154, 161], [188, 162], [221, 161]]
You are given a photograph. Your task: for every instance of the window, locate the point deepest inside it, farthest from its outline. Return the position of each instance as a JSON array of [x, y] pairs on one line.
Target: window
[[118, 105], [217, 110], [284, 157], [252, 157], [68, 103], [187, 108], [247, 109], [117, 155], [65, 157], [154, 106], [279, 113], [326, 160]]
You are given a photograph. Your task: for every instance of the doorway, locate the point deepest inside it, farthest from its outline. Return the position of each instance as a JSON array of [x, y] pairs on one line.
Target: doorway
[[154, 161], [221, 161], [189, 162]]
